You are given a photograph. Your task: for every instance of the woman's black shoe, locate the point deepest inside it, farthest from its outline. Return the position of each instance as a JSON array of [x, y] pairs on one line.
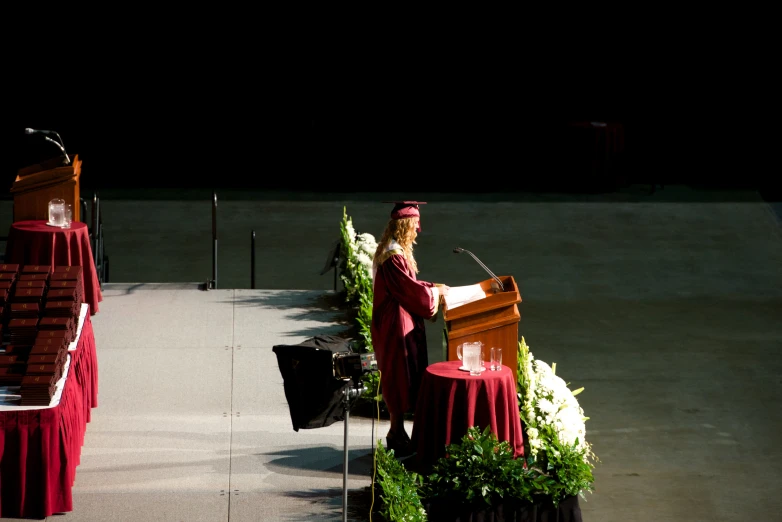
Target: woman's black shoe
[[401, 445]]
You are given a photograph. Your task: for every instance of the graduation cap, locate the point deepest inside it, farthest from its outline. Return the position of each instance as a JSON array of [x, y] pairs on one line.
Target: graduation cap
[[407, 209]]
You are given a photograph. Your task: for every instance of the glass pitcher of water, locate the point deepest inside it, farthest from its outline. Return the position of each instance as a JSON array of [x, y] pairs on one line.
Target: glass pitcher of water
[[57, 212], [471, 356]]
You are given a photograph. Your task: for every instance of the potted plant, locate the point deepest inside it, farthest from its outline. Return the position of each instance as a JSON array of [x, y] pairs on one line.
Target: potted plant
[[479, 479]]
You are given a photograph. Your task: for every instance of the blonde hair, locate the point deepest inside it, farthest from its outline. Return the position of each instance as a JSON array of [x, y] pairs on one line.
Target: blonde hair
[[403, 231]]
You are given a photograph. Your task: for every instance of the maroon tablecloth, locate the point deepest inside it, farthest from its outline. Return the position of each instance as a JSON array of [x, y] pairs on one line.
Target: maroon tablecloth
[[36, 243], [451, 400], [40, 449]]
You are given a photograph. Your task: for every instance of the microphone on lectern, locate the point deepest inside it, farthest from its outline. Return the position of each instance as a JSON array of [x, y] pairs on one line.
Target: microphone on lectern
[[46, 134], [458, 250]]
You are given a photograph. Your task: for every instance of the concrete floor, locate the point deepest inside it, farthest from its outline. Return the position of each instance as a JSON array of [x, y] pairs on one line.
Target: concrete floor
[[666, 307]]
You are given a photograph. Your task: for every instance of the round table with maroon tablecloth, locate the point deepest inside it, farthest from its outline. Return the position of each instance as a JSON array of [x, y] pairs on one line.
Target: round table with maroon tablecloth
[[36, 243], [451, 400]]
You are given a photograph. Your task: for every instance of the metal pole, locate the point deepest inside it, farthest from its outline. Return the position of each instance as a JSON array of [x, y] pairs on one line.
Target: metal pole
[[95, 221], [336, 264], [345, 459], [214, 240], [252, 260], [101, 267], [351, 391]]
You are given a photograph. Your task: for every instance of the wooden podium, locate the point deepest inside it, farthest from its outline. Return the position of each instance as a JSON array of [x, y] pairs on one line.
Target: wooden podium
[[35, 186], [493, 320]]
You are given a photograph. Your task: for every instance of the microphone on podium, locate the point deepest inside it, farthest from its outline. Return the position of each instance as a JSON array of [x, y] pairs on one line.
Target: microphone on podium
[[46, 134], [459, 250]]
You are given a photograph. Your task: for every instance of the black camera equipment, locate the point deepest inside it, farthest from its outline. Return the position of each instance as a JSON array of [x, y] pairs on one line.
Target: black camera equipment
[[321, 378], [354, 365]]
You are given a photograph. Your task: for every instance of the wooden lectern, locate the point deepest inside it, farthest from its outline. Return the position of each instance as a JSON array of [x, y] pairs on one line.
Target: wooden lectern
[[35, 186], [493, 320]]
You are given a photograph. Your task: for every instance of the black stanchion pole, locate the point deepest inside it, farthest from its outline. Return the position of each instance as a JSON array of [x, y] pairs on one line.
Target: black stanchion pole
[[336, 263], [252, 259], [95, 221], [214, 240]]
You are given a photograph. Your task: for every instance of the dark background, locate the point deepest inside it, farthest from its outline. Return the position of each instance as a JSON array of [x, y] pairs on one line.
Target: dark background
[[431, 120]]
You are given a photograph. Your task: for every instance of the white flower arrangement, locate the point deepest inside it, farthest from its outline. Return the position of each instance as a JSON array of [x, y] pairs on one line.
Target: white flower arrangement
[[350, 232], [360, 248], [554, 424], [365, 252], [366, 242]]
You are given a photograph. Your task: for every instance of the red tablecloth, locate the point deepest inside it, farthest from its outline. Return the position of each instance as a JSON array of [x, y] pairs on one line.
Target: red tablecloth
[[40, 449], [451, 400], [36, 243]]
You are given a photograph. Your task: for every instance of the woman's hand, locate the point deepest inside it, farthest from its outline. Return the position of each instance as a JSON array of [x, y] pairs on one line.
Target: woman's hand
[[443, 289]]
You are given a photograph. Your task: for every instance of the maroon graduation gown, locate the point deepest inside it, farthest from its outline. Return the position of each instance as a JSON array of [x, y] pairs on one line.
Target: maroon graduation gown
[[400, 306]]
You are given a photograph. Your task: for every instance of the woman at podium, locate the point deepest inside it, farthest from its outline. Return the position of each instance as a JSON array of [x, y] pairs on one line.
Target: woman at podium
[[400, 306]]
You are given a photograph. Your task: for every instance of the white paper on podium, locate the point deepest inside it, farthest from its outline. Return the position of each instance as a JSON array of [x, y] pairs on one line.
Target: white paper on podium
[[462, 295]]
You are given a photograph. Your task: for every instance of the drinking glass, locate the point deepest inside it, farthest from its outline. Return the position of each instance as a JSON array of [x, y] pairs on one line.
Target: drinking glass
[[496, 359], [67, 215]]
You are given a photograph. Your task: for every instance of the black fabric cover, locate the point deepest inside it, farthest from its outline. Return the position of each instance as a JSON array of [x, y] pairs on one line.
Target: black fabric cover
[[452, 510], [314, 394]]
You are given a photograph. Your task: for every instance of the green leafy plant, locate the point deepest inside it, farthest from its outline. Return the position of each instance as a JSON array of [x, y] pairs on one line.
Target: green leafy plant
[[399, 488], [477, 474], [356, 252], [480, 471]]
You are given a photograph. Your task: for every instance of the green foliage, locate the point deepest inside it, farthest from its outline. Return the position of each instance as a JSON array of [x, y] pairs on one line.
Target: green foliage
[[399, 489], [568, 473], [354, 274], [364, 316], [480, 471], [477, 473], [523, 380], [359, 294]]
